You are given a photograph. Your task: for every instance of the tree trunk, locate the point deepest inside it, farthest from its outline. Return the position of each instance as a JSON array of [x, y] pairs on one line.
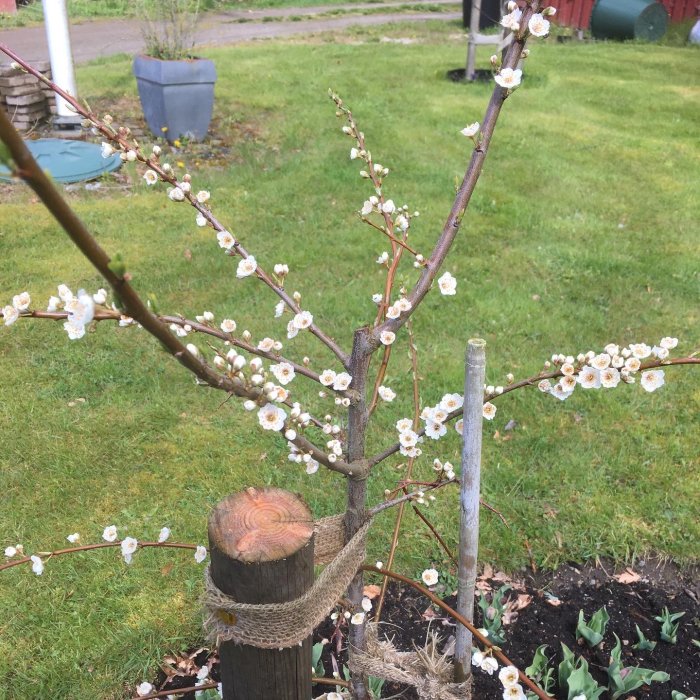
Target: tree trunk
[[356, 512]]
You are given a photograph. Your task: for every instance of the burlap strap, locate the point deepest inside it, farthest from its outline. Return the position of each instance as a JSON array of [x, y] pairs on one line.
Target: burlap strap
[[280, 625], [425, 668]]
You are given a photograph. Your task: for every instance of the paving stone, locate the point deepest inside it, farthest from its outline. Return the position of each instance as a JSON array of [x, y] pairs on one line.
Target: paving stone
[[21, 90], [25, 100]]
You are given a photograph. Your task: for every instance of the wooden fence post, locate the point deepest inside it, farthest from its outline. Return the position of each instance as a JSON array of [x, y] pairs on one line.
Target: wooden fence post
[[469, 500], [261, 546]]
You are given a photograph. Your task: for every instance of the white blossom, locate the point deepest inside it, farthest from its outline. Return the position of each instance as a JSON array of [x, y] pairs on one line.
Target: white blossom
[[447, 284], [601, 361], [284, 372], [404, 424], [377, 298], [609, 377], [99, 297], [312, 466], [176, 194], [107, 150], [271, 417], [512, 20], [203, 196], [430, 577], [589, 378], [489, 664], [151, 177], [110, 533], [559, 392], [538, 25], [387, 337], [75, 537], [488, 411], [246, 267], [640, 350], [292, 330], [668, 343], [435, 430], [129, 545], [226, 240], [54, 304], [514, 692], [652, 379], [10, 552], [342, 381], [200, 220], [386, 394], [459, 426], [383, 258], [358, 618], [389, 207], [200, 554], [228, 325], [632, 364], [163, 534], [660, 352], [64, 293], [451, 402], [37, 565], [10, 315], [303, 320], [508, 676], [21, 301], [470, 130], [327, 377], [509, 78]]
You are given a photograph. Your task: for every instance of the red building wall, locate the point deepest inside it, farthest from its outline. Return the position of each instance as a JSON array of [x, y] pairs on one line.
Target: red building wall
[[577, 13]]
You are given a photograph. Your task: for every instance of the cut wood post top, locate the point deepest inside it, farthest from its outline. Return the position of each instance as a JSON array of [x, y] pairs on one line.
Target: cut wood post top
[[260, 525]]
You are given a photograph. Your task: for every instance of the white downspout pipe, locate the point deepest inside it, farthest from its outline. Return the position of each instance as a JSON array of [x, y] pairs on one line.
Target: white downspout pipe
[[58, 39]]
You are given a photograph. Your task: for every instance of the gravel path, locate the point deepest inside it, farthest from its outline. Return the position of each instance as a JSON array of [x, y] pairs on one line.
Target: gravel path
[[100, 38]]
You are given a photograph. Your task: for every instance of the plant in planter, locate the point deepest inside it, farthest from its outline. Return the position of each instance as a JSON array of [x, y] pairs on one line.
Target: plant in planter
[[176, 89]]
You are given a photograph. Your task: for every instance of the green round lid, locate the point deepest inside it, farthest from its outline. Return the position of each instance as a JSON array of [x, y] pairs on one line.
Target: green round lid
[[68, 161]]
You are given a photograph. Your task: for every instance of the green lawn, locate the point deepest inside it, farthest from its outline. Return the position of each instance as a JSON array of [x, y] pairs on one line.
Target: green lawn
[[583, 231]]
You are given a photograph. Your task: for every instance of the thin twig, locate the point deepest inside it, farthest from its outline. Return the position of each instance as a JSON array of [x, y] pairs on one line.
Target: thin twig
[[409, 470], [46, 556], [529, 382], [153, 164], [436, 534]]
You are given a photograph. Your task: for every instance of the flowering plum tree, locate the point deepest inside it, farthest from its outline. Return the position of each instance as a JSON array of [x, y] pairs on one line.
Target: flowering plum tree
[[326, 427]]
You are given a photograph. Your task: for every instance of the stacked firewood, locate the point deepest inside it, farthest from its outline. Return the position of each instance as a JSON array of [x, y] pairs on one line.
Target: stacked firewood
[[25, 98]]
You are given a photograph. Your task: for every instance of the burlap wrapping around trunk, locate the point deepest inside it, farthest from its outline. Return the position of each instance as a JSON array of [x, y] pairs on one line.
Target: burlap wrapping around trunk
[[281, 625]]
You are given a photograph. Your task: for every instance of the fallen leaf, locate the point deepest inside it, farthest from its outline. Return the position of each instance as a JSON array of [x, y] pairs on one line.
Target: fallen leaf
[[628, 576], [511, 425], [552, 600], [187, 254], [371, 591], [487, 572], [522, 601], [166, 569], [429, 614]]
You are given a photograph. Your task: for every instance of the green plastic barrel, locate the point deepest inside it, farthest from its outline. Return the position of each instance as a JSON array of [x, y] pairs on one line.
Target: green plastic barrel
[[629, 19]]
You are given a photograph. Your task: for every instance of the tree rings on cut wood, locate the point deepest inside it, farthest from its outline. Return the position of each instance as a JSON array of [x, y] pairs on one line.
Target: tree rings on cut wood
[[261, 525]]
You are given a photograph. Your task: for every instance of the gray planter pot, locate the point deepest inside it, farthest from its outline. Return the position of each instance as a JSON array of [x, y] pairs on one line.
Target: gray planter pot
[[177, 97]]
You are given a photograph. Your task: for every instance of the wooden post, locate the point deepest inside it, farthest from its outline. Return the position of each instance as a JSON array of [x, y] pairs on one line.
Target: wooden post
[[469, 500], [471, 46], [261, 546]]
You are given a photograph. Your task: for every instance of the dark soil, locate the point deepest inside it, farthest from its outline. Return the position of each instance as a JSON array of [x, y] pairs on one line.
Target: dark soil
[[408, 618]]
